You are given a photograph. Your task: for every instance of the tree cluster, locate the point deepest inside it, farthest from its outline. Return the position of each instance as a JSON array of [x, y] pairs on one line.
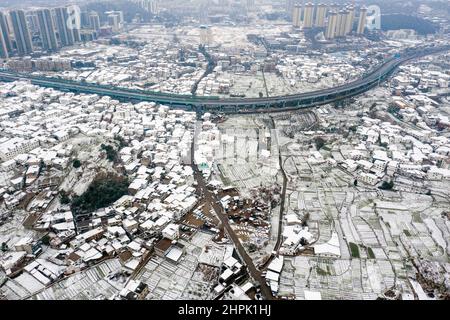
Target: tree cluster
[[387, 185], [111, 153], [101, 193]]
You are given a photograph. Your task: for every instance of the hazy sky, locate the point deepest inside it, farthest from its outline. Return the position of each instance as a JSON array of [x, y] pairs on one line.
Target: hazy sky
[[26, 3]]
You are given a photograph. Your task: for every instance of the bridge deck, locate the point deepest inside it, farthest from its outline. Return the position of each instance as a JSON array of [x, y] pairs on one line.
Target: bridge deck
[[229, 105]]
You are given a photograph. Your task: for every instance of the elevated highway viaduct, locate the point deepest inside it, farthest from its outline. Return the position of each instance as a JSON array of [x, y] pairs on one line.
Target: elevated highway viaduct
[[235, 105]]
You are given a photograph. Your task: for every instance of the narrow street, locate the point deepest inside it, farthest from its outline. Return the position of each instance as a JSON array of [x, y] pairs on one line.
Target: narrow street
[[281, 215], [282, 205], [214, 203]]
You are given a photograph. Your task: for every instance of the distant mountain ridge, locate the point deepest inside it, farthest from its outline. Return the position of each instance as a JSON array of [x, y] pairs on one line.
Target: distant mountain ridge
[[403, 21]]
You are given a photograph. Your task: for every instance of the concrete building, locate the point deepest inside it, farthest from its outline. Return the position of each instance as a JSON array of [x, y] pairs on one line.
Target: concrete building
[[341, 23], [77, 35], [361, 20], [338, 23], [250, 4], [114, 22], [119, 14], [334, 7], [171, 231], [296, 16], [4, 53], [66, 35], [32, 22], [331, 28], [94, 21], [154, 7], [368, 178], [15, 146], [47, 30], [21, 32], [349, 20], [321, 11], [308, 15], [5, 39]]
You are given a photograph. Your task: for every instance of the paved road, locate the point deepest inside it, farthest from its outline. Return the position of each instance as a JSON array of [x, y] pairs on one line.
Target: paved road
[[248, 105], [282, 205], [212, 199]]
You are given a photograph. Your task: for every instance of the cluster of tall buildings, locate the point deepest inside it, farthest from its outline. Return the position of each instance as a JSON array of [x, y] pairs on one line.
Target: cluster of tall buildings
[[115, 20], [309, 16], [54, 30], [50, 29], [5, 41], [338, 21], [152, 6], [14, 24], [93, 20]]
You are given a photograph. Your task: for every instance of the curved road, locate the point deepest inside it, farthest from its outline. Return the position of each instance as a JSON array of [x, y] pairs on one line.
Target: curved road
[[230, 105]]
